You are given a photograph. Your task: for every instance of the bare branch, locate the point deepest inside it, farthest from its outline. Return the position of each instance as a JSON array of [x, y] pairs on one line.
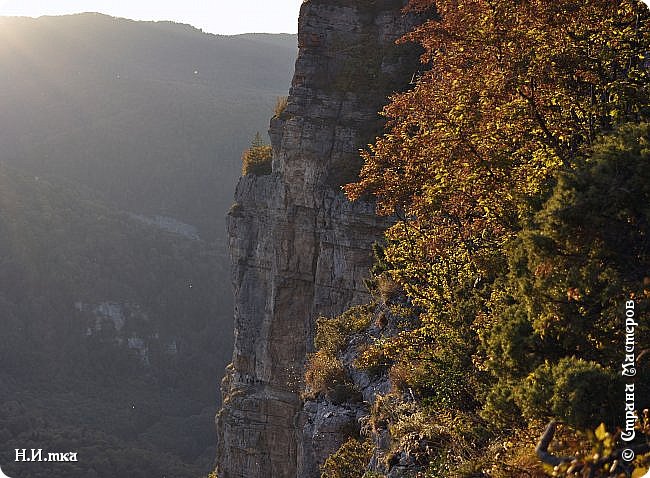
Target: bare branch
[[541, 450]]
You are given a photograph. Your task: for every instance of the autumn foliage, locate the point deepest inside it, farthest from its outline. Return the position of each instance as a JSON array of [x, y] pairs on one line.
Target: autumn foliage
[[514, 91], [258, 158], [516, 170]]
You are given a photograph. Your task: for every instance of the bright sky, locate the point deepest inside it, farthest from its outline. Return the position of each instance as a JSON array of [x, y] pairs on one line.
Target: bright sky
[[215, 16]]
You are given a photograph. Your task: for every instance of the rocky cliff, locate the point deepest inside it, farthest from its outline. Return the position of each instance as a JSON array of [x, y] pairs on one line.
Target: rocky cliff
[[299, 249]]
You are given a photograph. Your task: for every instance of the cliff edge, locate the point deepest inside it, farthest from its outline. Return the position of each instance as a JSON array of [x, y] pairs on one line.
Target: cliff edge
[[299, 249]]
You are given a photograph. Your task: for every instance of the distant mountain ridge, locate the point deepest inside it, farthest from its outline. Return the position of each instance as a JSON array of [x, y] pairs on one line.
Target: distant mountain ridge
[[153, 115]]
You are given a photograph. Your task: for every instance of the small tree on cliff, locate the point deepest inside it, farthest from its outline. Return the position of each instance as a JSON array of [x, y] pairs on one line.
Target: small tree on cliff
[[257, 159]]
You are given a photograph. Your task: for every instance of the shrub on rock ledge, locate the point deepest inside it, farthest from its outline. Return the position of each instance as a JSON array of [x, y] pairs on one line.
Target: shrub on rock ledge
[[258, 158]]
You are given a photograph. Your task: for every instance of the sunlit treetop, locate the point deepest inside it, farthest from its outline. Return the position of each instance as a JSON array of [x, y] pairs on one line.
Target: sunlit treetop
[[512, 91]]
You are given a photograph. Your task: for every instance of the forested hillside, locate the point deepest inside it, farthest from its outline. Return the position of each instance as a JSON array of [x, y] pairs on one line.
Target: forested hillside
[[120, 145], [112, 330], [151, 115], [513, 287]]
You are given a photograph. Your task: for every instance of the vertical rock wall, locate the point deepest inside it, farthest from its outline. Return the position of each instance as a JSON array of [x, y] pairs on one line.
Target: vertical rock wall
[[299, 249]]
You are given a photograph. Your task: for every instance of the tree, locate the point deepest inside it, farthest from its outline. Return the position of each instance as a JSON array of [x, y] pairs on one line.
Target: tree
[[571, 272], [515, 91], [486, 164], [257, 159]]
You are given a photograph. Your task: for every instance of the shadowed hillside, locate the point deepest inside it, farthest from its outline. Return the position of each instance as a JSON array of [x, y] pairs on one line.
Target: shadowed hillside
[[120, 145], [112, 332]]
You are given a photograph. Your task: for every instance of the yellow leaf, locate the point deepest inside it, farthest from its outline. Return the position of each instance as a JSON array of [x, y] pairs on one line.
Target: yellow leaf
[[639, 472], [601, 432]]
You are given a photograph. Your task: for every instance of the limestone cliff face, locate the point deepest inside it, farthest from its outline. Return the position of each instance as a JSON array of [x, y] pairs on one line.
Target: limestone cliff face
[[299, 249]]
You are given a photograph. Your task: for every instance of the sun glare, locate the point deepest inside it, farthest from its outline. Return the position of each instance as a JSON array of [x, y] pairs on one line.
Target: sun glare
[[219, 17]]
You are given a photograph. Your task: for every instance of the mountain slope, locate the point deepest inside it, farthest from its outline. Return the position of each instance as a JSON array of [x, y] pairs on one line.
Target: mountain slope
[[152, 115], [120, 145], [102, 315]]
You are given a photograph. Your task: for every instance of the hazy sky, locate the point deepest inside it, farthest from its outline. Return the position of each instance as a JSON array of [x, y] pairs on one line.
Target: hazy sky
[[214, 16]]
